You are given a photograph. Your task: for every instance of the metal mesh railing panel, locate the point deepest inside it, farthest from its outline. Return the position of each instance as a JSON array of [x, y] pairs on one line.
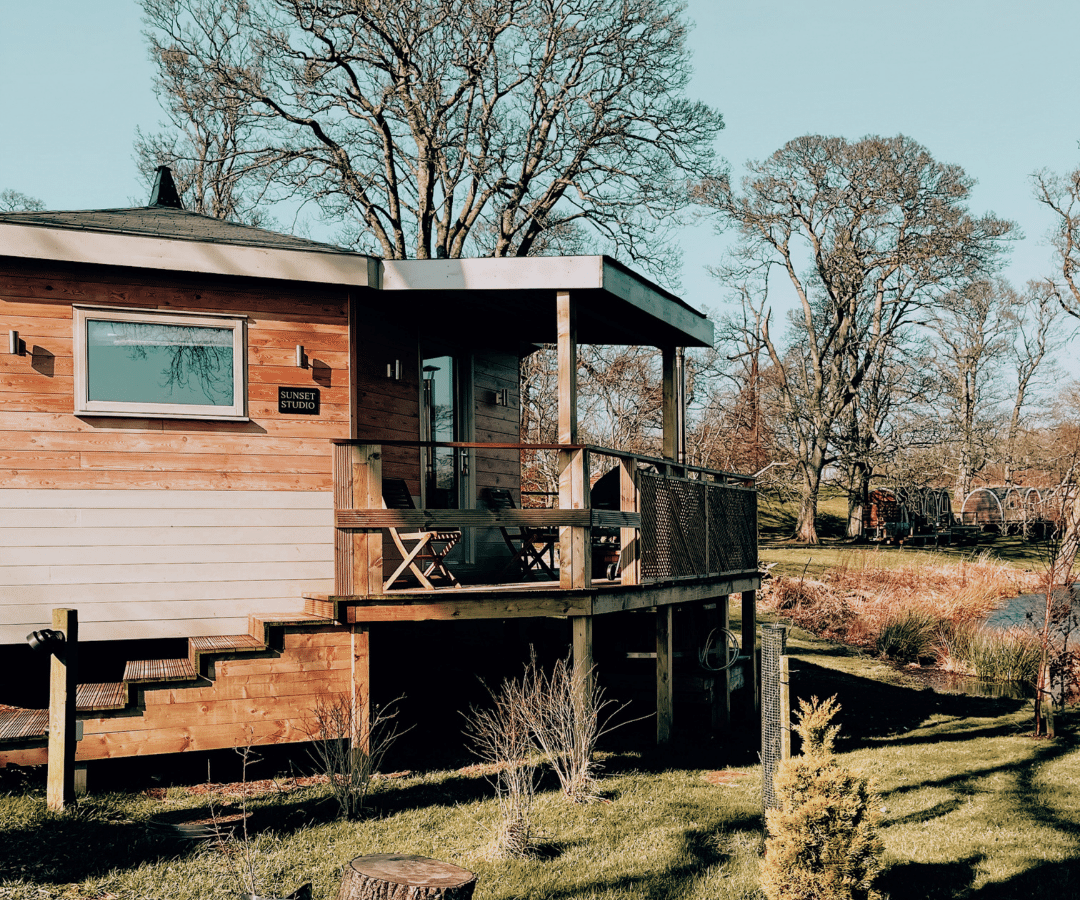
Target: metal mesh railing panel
[[732, 529], [691, 527], [773, 647], [673, 523]]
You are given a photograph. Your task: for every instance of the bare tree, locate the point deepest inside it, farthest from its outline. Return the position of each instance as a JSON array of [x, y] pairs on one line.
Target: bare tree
[[1036, 338], [974, 328], [437, 127], [14, 201], [210, 139], [866, 233], [1061, 194]]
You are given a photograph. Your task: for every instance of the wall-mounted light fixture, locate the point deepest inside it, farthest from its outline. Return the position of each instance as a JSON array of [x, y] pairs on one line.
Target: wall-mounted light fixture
[[393, 370], [502, 397], [14, 343], [48, 639], [301, 357]]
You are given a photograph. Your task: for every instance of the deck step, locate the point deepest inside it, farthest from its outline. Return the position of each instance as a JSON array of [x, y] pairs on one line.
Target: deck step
[[159, 670], [103, 695], [19, 724], [219, 643]]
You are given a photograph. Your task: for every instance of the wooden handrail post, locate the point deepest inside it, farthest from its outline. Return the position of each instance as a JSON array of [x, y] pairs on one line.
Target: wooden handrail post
[[358, 563], [63, 682], [575, 543], [630, 554]]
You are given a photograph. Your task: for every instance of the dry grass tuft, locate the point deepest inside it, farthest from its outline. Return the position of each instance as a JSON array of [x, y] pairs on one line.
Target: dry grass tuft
[[862, 597]]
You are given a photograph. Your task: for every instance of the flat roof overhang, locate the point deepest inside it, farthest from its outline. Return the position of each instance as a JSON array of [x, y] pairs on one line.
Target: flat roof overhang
[[493, 298]]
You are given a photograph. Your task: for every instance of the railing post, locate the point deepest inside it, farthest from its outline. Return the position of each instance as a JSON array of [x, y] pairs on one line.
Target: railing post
[[630, 555], [63, 679], [575, 543], [358, 564]]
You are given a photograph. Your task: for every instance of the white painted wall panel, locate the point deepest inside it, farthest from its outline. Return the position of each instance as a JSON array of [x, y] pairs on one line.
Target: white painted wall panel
[[140, 564]]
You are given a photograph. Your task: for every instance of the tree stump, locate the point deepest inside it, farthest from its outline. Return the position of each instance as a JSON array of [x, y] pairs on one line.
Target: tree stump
[[398, 876]]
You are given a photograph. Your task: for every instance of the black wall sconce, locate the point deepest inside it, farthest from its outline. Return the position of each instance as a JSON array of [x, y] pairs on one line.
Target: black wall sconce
[[393, 370], [48, 640], [15, 343], [502, 397]]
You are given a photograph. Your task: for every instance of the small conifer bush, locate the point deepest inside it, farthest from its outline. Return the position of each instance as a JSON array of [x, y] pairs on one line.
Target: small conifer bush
[[822, 842]]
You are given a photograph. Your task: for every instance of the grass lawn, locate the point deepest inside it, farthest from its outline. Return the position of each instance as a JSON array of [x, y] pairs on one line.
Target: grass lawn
[[776, 522], [971, 807]]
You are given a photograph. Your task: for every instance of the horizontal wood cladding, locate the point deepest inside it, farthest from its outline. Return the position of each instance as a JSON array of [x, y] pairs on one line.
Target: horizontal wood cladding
[[146, 563], [42, 444]]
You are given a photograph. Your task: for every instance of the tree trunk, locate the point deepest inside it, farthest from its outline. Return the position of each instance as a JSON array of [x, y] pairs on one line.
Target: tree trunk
[[396, 876], [858, 498], [806, 527]]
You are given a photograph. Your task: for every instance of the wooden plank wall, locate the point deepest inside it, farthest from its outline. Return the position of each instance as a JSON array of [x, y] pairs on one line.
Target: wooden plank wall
[[42, 445], [252, 701], [250, 489], [492, 372]]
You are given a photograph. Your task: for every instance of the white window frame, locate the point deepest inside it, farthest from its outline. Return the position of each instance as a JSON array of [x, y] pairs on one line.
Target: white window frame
[[84, 406]]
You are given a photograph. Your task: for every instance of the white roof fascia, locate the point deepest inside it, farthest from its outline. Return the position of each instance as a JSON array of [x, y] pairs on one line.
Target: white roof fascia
[[143, 252]]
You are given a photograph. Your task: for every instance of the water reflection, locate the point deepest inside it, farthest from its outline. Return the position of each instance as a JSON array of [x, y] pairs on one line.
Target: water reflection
[[954, 683]]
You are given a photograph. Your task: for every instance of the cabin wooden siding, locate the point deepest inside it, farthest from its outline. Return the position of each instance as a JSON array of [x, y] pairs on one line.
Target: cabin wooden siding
[[495, 371], [163, 527]]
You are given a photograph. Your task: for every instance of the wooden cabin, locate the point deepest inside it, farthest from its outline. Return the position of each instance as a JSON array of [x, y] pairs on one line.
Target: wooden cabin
[[199, 420]]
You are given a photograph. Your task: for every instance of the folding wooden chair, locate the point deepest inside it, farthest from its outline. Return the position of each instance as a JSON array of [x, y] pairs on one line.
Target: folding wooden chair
[[428, 547], [527, 546]]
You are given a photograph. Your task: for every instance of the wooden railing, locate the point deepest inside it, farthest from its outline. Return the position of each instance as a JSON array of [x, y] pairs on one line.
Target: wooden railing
[[674, 521]]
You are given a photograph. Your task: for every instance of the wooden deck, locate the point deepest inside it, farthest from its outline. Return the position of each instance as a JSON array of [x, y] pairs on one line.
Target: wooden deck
[[525, 599]]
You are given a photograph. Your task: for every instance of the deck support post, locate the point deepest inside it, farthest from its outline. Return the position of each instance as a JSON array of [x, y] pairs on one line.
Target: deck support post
[[629, 538], [358, 567], [63, 677], [670, 410], [718, 621], [583, 666], [575, 544], [664, 683], [749, 647], [361, 688]]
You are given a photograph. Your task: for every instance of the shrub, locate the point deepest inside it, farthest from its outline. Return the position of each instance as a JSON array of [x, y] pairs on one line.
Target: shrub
[[1000, 655], [568, 714], [822, 842], [502, 737], [350, 745], [908, 637]]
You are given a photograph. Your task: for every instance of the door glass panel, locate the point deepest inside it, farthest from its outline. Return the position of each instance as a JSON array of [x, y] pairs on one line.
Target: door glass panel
[[439, 416]]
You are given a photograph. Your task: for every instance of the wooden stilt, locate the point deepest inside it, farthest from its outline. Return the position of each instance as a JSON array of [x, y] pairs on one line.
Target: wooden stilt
[[361, 686], [583, 657], [664, 693], [716, 620], [63, 675], [749, 646]]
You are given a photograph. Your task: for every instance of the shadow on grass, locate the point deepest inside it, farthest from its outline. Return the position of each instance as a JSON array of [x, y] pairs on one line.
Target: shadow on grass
[[1057, 879], [871, 710], [930, 881]]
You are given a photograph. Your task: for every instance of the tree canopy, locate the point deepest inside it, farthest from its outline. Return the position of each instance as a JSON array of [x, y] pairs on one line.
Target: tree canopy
[[449, 127]]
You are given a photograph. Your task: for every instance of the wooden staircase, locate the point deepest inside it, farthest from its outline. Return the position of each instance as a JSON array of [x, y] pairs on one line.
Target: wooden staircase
[[273, 648]]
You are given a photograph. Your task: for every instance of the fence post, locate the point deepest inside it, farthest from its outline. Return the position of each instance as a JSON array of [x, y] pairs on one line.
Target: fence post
[[63, 681], [630, 538], [773, 726]]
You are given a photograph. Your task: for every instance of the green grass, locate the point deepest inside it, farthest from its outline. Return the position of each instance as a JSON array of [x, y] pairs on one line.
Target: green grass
[[972, 806], [776, 525]]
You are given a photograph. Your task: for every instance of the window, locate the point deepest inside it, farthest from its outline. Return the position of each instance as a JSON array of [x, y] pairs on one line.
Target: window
[[137, 363]]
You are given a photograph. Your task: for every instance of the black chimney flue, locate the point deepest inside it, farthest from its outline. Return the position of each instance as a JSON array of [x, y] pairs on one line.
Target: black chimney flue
[[164, 190]]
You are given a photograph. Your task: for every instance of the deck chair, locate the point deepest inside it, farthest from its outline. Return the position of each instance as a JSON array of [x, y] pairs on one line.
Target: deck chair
[[422, 552], [528, 546]]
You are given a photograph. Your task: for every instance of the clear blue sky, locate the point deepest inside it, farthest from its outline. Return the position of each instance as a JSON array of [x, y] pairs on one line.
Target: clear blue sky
[[987, 84]]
